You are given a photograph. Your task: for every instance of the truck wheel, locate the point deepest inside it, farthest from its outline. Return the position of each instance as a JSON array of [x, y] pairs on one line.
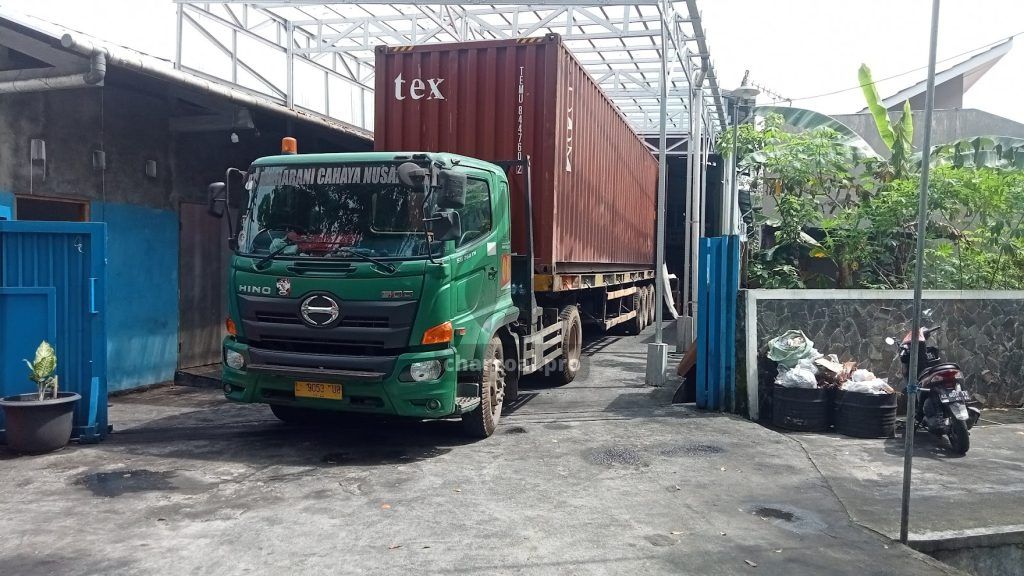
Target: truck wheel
[[563, 370], [635, 324], [293, 414], [481, 422]]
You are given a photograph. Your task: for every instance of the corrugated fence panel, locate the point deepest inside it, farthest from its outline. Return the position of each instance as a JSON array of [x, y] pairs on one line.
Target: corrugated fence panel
[[717, 287], [64, 261]]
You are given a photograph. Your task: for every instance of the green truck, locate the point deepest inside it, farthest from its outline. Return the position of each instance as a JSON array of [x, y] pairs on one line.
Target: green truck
[[426, 284]]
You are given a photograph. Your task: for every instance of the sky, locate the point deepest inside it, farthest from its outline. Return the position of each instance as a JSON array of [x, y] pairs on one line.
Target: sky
[[797, 48]]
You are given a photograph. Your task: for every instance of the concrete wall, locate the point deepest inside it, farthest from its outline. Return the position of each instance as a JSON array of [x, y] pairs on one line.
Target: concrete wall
[[947, 126], [129, 120], [983, 331]]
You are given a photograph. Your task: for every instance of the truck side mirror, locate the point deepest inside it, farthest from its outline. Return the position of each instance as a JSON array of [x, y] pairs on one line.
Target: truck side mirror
[[453, 190], [445, 225], [411, 174], [216, 199]]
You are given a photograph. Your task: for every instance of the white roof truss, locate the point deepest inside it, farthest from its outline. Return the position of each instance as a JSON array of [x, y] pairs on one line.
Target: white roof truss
[[319, 56]]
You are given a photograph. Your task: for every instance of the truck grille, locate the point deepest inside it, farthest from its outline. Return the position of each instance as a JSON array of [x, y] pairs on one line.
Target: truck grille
[[350, 321], [366, 327]]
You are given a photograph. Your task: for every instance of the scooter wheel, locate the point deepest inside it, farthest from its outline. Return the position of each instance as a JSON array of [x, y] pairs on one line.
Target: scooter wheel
[[959, 437]]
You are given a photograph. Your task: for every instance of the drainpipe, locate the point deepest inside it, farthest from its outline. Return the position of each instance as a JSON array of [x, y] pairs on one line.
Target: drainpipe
[[92, 77]]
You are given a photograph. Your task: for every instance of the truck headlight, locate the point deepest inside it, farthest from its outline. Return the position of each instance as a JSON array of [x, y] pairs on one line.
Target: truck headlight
[[426, 370], [234, 359]]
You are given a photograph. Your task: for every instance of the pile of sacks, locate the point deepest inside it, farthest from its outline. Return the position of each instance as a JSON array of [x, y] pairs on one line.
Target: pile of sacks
[[802, 366]]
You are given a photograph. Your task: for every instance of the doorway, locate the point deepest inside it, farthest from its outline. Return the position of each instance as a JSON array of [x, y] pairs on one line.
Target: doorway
[[202, 274]]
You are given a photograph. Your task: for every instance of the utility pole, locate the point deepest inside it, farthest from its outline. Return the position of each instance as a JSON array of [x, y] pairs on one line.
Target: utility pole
[[922, 222]]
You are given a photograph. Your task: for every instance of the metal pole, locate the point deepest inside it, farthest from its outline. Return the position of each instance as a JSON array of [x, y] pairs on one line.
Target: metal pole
[[735, 169], [657, 352], [659, 290], [696, 214], [290, 67], [177, 46], [922, 221], [684, 297]]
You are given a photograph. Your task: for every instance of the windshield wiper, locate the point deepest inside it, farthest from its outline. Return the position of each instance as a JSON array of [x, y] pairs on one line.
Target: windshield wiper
[[264, 261], [388, 267]]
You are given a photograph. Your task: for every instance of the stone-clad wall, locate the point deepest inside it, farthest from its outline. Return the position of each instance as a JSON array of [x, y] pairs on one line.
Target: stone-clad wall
[[982, 333]]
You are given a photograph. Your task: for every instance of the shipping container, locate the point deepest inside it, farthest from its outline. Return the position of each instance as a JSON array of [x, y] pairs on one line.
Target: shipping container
[[593, 179]]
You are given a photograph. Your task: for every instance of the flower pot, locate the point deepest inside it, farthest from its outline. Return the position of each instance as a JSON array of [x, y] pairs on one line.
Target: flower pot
[[38, 426]]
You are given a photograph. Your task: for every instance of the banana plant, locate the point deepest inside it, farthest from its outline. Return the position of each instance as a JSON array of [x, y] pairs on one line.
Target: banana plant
[[898, 136], [41, 370]]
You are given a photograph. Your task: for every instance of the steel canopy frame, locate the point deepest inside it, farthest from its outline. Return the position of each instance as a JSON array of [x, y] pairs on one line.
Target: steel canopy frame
[[318, 56]]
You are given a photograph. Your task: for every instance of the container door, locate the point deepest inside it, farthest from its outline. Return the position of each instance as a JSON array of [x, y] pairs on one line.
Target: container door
[[52, 281]]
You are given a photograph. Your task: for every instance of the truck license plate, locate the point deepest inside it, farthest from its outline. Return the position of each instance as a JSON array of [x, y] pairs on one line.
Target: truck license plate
[[318, 390]]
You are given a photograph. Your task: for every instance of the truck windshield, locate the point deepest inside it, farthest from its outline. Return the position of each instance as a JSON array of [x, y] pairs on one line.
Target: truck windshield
[[333, 211]]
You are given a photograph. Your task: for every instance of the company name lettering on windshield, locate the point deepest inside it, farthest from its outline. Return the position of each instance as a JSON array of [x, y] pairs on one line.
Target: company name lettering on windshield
[[330, 175]]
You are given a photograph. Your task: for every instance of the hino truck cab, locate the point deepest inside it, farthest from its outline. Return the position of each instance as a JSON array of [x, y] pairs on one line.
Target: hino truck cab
[[378, 283]]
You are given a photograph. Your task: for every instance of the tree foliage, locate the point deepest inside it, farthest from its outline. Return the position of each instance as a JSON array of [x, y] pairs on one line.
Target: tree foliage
[[826, 204]]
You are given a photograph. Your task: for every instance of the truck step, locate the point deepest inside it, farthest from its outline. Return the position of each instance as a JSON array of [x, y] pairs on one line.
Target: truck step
[[465, 404]]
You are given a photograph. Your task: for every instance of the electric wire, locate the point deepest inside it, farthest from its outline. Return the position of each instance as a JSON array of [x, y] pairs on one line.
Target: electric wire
[[904, 73]]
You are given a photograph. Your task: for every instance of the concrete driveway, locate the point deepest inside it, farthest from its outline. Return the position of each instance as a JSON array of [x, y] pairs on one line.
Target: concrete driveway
[[603, 476], [981, 493]]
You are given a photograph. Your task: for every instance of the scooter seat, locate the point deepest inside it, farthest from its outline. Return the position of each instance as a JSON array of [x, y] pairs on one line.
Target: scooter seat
[[938, 368]]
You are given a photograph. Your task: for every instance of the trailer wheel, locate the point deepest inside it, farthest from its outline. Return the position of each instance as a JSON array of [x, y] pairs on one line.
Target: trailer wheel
[[481, 422], [635, 324], [647, 300], [651, 310], [564, 368]]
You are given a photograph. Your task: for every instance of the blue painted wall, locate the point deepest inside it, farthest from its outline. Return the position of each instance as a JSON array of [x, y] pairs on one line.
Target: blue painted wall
[[6, 205], [142, 293]]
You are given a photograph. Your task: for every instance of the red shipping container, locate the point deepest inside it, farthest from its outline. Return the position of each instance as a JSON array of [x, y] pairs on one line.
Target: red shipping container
[[594, 180]]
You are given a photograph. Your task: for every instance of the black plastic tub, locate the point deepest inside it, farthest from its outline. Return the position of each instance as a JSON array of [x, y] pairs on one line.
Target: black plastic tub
[[802, 409], [864, 415]]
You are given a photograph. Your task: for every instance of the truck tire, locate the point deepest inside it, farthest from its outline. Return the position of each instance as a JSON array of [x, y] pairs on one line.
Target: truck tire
[[481, 422], [651, 310], [648, 302], [642, 310], [564, 368], [635, 324]]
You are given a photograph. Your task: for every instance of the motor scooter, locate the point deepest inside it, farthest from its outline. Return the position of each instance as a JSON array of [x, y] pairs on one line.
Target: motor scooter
[[942, 403]]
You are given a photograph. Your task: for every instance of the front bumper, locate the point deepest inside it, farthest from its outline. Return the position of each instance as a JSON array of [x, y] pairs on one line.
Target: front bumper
[[386, 395]]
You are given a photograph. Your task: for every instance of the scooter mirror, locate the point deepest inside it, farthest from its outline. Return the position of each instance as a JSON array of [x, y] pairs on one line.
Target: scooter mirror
[[890, 341]]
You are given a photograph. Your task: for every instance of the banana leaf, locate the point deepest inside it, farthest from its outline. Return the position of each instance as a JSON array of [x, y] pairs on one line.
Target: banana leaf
[[809, 120], [902, 146], [981, 151], [875, 105]]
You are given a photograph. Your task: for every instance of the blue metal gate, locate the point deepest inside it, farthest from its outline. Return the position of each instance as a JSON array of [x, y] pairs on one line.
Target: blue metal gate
[[717, 287], [52, 278]]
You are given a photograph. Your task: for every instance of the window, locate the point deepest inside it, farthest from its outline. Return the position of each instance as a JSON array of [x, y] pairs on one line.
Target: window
[[476, 214], [31, 208]]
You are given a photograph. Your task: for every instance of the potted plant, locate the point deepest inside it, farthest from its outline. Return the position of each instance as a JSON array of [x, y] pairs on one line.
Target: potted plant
[[40, 421]]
